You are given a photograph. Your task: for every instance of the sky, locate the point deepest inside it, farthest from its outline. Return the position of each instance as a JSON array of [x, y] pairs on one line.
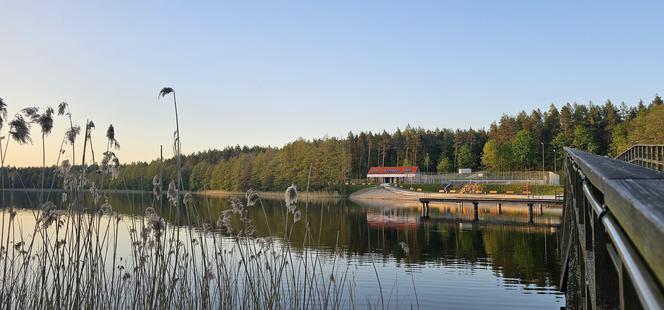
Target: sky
[[269, 72]]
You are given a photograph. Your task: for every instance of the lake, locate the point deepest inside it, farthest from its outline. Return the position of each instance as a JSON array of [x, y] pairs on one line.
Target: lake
[[389, 255]]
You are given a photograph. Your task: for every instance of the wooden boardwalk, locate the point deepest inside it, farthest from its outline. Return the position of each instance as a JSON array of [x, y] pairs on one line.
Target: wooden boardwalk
[[612, 245]]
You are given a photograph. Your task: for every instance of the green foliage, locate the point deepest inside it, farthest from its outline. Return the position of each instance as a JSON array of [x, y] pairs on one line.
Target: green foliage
[[490, 155], [199, 179], [619, 140], [465, 157], [648, 126], [524, 148], [427, 161], [561, 141], [643, 126], [444, 165], [584, 139]]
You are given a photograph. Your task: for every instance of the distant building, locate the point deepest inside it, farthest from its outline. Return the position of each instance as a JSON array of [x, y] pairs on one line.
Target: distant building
[[392, 174]]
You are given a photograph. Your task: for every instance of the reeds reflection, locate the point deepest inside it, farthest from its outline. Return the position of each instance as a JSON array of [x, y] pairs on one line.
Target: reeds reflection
[[443, 254]]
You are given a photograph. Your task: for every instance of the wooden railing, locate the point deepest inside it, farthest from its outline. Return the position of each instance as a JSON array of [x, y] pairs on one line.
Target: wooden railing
[[613, 234], [645, 155]]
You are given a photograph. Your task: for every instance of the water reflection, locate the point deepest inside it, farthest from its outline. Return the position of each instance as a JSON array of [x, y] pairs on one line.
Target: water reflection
[[448, 255]]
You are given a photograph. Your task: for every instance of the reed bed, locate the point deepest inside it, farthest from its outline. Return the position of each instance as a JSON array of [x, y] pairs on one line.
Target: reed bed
[[71, 252], [70, 258]]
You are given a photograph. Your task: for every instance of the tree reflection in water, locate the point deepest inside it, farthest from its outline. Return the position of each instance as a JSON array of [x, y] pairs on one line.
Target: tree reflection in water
[[516, 252]]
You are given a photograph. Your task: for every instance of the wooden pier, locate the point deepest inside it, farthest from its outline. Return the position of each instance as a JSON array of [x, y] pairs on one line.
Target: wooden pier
[[475, 201]]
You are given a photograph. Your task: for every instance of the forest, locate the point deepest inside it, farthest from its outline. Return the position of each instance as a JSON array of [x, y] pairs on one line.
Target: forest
[[525, 141]]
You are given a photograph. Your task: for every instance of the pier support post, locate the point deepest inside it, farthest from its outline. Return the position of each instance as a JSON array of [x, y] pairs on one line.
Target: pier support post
[[530, 213], [499, 206], [476, 217], [541, 209], [425, 209]]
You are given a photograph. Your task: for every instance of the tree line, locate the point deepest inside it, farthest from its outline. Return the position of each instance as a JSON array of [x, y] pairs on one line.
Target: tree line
[[525, 141]]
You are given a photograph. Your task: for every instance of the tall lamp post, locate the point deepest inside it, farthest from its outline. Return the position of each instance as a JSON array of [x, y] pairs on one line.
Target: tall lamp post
[[456, 164], [542, 143], [555, 161], [543, 176]]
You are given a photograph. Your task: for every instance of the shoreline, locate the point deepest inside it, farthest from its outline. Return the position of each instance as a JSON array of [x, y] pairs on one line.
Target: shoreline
[[311, 196], [209, 193], [378, 194], [398, 194]]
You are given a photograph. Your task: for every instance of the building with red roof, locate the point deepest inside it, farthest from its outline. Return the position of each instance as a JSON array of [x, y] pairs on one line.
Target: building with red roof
[[392, 174]]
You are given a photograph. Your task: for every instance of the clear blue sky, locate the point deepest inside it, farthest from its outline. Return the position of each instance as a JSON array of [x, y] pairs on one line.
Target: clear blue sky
[[267, 73]]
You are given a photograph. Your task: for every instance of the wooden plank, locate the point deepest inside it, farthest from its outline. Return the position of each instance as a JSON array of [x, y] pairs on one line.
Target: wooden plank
[[638, 206], [600, 169]]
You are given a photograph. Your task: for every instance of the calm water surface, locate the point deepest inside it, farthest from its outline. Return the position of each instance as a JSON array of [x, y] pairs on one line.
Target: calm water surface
[[503, 263]]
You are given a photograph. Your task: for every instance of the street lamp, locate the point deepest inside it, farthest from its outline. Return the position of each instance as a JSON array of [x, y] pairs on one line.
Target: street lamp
[[456, 164], [555, 161], [542, 143]]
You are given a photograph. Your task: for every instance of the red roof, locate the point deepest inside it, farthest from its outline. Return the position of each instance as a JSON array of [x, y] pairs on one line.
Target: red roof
[[392, 170]]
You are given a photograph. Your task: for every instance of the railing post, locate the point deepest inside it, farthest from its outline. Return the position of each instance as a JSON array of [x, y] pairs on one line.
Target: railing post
[[661, 158]]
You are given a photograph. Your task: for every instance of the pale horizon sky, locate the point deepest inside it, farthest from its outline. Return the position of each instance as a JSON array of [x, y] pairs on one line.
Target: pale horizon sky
[[267, 73]]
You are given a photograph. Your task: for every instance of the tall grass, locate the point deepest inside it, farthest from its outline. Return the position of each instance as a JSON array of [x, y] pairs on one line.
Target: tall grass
[[69, 253]]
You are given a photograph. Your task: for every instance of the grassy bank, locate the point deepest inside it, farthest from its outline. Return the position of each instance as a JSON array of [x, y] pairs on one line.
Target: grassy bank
[[314, 195], [351, 188], [275, 195]]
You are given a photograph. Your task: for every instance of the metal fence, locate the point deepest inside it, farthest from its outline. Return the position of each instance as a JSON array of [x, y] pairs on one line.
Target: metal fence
[[500, 177], [645, 155]]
